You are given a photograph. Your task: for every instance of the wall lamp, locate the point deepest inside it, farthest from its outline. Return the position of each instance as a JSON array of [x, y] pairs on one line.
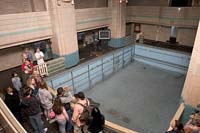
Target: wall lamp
[[120, 1], [59, 1]]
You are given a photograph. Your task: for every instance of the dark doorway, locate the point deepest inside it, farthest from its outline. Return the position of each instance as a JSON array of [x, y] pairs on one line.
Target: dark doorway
[[91, 45], [180, 3]]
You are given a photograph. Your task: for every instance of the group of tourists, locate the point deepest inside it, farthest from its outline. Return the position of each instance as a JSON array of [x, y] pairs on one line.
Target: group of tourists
[[28, 61], [26, 100]]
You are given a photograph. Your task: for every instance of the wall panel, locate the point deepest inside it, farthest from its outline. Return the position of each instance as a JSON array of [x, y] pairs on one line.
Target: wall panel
[[92, 18], [170, 16], [15, 6], [16, 29], [79, 4], [147, 3]]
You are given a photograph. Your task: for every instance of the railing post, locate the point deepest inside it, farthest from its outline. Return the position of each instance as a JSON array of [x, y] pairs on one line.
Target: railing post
[[113, 63], [102, 69], [52, 84], [89, 77], [123, 58], [131, 53], [74, 90]]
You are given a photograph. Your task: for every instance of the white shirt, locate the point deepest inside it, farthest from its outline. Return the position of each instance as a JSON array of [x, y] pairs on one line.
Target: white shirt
[[39, 57]]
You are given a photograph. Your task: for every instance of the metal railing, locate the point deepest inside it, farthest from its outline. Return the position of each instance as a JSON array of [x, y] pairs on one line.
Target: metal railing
[[86, 75]]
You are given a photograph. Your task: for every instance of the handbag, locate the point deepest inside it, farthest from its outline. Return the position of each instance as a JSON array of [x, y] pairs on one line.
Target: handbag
[[51, 114]]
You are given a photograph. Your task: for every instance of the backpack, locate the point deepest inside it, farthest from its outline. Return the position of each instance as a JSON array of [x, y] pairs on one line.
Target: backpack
[[85, 116], [196, 119]]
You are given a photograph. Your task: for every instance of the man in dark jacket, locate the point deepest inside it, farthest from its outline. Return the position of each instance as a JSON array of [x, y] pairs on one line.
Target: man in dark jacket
[[12, 101], [32, 107]]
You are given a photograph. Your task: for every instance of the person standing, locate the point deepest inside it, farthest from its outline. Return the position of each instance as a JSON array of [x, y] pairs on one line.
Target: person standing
[[39, 56], [27, 70], [98, 121], [16, 81], [32, 84], [79, 126], [29, 54], [12, 101], [66, 98], [61, 114], [32, 106], [45, 99]]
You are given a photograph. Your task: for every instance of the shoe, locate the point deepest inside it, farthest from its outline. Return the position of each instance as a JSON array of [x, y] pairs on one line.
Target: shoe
[[45, 130]]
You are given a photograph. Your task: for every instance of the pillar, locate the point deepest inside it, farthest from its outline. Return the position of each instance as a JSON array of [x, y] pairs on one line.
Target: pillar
[[191, 90], [64, 40], [118, 25]]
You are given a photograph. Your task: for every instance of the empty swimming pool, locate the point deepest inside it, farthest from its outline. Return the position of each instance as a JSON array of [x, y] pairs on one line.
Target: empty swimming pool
[[140, 97]]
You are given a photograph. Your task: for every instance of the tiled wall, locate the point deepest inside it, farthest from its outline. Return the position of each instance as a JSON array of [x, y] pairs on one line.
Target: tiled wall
[[185, 36], [92, 18], [183, 17], [168, 59], [147, 3], [24, 27], [14, 6], [21, 6], [80, 4]]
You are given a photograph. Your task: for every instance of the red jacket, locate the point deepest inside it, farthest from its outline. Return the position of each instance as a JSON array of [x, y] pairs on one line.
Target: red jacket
[[30, 66]]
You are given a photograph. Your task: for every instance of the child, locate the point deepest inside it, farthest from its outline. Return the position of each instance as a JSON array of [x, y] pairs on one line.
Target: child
[[61, 114], [16, 81], [32, 107]]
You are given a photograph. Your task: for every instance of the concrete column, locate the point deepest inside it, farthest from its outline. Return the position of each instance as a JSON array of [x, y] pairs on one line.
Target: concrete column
[[118, 25], [64, 40], [191, 90]]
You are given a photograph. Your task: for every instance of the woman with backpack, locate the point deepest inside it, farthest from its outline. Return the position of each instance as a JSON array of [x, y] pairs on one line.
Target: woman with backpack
[[98, 121], [78, 110], [61, 115]]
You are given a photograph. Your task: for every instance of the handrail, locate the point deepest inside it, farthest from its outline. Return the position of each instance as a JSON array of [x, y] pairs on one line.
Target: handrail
[[177, 115], [42, 69], [117, 128], [10, 119]]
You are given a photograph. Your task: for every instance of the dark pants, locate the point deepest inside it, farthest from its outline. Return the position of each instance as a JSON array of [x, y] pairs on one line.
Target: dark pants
[[69, 122], [36, 123]]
